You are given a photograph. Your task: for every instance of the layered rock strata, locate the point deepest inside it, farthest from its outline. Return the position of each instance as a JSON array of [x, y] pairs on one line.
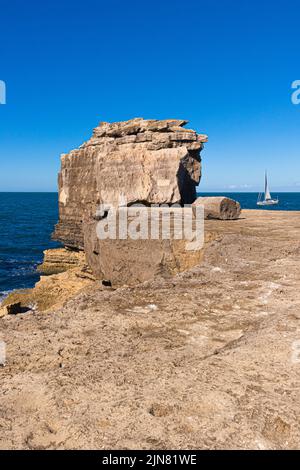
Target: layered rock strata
[[141, 160], [61, 259], [123, 163], [67, 274]]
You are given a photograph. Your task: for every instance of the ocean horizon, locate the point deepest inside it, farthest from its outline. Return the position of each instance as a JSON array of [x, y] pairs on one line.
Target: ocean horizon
[[28, 220]]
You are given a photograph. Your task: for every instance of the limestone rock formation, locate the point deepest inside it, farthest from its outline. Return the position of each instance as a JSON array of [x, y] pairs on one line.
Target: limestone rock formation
[[129, 261], [136, 161], [52, 291], [148, 161], [61, 259], [221, 207]]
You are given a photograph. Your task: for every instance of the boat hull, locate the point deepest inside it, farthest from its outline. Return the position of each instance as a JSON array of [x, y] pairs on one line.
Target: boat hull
[[271, 202]]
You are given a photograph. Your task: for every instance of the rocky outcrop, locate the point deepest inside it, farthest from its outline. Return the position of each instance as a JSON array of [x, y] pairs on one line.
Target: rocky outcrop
[[221, 207], [52, 291], [123, 163], [61, 259], [147, 161], [129, 261]]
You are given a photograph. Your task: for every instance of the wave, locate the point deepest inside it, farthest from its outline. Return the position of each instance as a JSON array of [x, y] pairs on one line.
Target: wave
[[4, 294]]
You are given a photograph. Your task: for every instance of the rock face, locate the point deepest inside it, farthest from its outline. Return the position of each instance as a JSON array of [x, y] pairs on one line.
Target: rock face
[[147, 161], [61, 259], [131, 261], [137, 161], [51, 292], [222, 208]]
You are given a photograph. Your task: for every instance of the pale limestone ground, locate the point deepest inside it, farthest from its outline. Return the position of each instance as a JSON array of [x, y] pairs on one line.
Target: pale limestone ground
[[203, 360]]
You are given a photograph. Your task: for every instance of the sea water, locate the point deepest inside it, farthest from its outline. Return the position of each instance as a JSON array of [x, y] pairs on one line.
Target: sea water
[[26, 223]]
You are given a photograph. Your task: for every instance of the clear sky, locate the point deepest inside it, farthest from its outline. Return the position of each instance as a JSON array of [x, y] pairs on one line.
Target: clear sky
[[226, 66]]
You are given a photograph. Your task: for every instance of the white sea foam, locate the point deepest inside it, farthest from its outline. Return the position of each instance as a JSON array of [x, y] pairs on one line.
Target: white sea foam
[[3, 294]]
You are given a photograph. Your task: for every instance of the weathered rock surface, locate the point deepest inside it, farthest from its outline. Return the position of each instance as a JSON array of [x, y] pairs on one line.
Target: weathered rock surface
[[10, 309], [52, 291], [145, 160], [61, 259], [131, 261], [220, 207], [207, 359], [148, 161]]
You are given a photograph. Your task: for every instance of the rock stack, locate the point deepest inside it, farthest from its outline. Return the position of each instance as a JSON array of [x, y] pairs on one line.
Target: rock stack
[[124, 165], [148, 161]]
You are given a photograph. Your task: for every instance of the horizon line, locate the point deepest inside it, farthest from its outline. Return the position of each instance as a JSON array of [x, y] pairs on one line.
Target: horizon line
[[203, 191]]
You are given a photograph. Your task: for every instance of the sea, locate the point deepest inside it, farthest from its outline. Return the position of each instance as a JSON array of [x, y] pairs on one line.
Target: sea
[[26, 223], [28, 219]]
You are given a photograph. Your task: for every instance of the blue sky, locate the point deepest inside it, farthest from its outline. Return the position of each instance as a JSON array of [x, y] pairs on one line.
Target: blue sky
[[226, 66]]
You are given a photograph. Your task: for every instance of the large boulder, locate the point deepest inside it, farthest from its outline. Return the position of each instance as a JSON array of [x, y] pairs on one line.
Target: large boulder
[[219, 207], [147, 161], [125, 260]]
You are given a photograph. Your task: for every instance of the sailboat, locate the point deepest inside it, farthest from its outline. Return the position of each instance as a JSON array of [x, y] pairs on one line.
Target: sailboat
[[267, 201]]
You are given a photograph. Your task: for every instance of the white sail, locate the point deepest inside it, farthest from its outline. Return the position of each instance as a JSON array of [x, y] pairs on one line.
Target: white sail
[[267, 192], [267, 201]]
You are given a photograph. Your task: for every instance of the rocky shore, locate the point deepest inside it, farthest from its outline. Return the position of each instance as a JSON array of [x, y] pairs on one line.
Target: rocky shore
[[140, 162], [206, 359], [146, 343]]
